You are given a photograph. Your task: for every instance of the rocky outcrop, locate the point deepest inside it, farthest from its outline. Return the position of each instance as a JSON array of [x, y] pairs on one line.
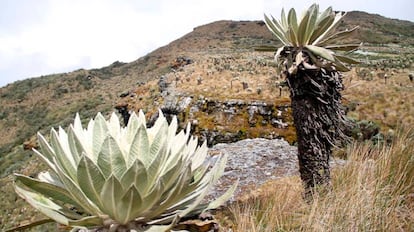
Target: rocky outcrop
[[255, 161], [231, 120], [218, 120], [180, 62]]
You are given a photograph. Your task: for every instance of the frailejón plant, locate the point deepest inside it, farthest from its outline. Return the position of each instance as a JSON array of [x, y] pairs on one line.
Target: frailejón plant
[[312, 63], [117, 178], [309, 40]]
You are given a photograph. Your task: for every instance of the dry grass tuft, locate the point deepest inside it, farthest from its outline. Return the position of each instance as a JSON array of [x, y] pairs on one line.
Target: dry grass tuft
[[374, 191]]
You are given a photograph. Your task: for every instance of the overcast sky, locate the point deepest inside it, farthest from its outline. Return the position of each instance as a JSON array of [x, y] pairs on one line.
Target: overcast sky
[[40, 37]]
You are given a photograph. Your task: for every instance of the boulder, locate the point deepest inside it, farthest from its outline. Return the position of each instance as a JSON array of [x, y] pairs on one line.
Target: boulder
[[254, 162]]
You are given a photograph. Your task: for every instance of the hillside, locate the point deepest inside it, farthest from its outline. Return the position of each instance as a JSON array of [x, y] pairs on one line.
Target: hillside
[[379, 30], [212, 78]]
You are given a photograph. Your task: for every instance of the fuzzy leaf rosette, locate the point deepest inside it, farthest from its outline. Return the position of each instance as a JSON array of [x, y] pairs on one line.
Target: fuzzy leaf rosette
[[134, 177]]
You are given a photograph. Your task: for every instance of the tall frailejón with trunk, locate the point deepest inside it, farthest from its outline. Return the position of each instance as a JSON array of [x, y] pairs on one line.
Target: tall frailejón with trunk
[[312, 64]]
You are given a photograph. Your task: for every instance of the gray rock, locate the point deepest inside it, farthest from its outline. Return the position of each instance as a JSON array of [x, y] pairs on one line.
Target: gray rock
[[254, 162]]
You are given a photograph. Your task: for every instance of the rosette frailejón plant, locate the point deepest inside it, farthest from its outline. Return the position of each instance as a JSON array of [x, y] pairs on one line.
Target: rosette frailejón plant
[[310, 41], [128, 178], [311, 59]]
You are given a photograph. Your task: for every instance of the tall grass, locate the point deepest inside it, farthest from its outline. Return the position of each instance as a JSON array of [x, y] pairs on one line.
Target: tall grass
[[374, 191]]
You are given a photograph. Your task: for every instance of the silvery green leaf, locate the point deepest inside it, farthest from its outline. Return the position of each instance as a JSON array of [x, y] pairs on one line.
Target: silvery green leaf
[[200, 173], [87, 139], [191, 193], [132, 127], [322, 52], [175, 193], [114, 126], [139, 147], [156, 166], [190, 148], [195, 199], [283, 20], [199, 156], [90, 126], [172, 176], [48, 162], [194, 189], [75, 145], [321, 27], [332, 26], [130, 205], [301, 36], [292, 20], [99, 133], [64, 144], [172, 130], [111, 194], [157, 126], [272, 27], [50, 177], [63, 160], [141, 175], [223, 198], [91, 180], [310, 25], [317, 61], [77, 195], [187, 131], [337, 36], [281, 29], [141, 118], [110, 159], [152, 200], [174, 153], [217, 202], [82, 139], [45, 148], [218, 167], [328, 13], [136, 175], [293, 37], [189, 203], [47, 189], [178, 142], [159, 140], [77, 124], [43, 204]]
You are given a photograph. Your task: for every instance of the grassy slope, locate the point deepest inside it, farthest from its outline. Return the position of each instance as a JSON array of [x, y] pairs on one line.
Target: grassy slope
[[390, 104], [372, 192]]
